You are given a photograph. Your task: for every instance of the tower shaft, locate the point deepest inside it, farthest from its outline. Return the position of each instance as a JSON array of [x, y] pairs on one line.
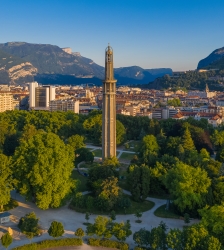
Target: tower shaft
[[109, 108]]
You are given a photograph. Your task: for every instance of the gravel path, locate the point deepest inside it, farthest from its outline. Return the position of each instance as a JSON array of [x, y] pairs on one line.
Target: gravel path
[[73, 220]]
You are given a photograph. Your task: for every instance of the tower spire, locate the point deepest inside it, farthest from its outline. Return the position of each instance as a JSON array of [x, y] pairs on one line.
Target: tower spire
[[109, 107]]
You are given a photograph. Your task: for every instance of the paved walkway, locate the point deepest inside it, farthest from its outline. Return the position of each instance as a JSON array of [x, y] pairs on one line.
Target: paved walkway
[[73, 220]]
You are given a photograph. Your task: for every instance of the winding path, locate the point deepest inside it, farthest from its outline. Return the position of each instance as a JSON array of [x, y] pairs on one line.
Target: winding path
[[73, 220]]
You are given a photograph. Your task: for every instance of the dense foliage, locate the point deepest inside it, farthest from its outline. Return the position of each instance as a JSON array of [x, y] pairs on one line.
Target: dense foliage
[[188, 80], [50, 244]]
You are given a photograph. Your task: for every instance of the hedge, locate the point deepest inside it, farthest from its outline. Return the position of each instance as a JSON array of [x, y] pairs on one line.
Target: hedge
[[51, 243], [108, 243]]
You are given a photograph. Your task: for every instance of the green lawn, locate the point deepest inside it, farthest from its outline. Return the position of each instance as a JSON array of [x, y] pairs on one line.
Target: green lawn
[[126, 156], [97, 152], [83, 181], [133, 146], [163, 213], [135, 206]]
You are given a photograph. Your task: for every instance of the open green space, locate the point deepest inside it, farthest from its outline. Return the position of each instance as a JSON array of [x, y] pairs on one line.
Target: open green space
[[132, 146], [126, 156], [135, 206], [82, 181], [163, 213], [97, 152]]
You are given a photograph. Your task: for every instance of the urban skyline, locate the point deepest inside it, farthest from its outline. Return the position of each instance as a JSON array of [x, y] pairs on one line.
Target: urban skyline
[[149, 34]]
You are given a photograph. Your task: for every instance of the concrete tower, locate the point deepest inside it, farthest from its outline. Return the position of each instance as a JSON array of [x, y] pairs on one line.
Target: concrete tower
[[109, 108]]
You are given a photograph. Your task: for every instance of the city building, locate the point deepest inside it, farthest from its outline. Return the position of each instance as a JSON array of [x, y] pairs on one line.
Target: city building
[[65, 105], [6, 102], [40, 96], [109, 108]]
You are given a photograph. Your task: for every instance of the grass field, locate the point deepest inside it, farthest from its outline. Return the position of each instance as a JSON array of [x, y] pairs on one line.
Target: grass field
[[135, 206], [97, 152], [126, 156], [163, 213], [133, 146], [83, 181]]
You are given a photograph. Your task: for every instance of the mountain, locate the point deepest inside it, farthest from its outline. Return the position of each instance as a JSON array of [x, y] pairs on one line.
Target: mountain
[[15, 70], [57, 66], [214, 61]]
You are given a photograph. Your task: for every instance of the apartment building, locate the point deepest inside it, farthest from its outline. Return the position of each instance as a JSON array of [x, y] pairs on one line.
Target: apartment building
[[65, 105], [6, 102]]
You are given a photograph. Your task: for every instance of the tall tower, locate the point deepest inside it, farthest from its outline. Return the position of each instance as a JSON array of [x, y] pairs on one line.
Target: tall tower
[[109, 108]]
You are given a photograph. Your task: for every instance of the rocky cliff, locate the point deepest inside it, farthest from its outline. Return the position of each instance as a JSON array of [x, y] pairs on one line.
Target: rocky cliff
[[214, 60], [14, 70]]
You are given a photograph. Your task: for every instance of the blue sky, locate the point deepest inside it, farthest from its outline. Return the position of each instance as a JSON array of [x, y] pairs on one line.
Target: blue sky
[[147, 33]]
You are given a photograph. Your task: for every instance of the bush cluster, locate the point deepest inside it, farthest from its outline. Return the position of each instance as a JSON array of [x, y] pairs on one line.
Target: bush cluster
[[108, 243], [51, 243]]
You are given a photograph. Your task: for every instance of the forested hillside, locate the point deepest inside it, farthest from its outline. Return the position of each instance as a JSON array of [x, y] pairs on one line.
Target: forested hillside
[[189, 80]]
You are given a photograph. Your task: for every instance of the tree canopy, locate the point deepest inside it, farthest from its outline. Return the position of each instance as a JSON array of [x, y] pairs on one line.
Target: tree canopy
[[42, 167]]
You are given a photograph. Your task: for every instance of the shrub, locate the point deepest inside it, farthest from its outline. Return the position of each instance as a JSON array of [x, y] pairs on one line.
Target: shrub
[[108, 243], [51, 243]]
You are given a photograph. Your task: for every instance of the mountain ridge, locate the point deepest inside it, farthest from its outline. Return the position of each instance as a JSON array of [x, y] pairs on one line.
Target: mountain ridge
[[51, 60]]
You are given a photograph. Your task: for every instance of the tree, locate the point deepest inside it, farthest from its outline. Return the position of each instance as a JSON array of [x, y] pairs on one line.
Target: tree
[[76, 142], [29, 131], [149, 148], [29, 224], [218, 190], [120, 133], [87, 217], [139, 181], [97, 175], [213, 220], [175, 239], [187, 185], [5, 180], [138, 215], [56, 229], [124, 202], [113, 215], [110, 193], [6, 240], [80, 233], [42, 167], [187, 141], [101, 227], [121, 230], [186, 218], [174, 102], [157, 237], [141, 237], [111, 161]]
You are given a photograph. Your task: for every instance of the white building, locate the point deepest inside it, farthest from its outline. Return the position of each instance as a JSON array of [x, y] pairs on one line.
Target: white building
[[40, 96], [32, 87], [65, 105]]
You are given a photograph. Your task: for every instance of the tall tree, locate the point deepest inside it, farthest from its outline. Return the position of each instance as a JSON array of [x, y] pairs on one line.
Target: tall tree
[[213, 220], [6, 240], [42, 167], [5, 180], [187, 185], [149, 148], [76, 141], [187, 141], [139, 182], [110, 193]]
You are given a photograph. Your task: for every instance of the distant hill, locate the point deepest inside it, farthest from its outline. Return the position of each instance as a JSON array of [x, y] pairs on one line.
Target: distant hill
[[214, 61], [55, 66], [13, 69]]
